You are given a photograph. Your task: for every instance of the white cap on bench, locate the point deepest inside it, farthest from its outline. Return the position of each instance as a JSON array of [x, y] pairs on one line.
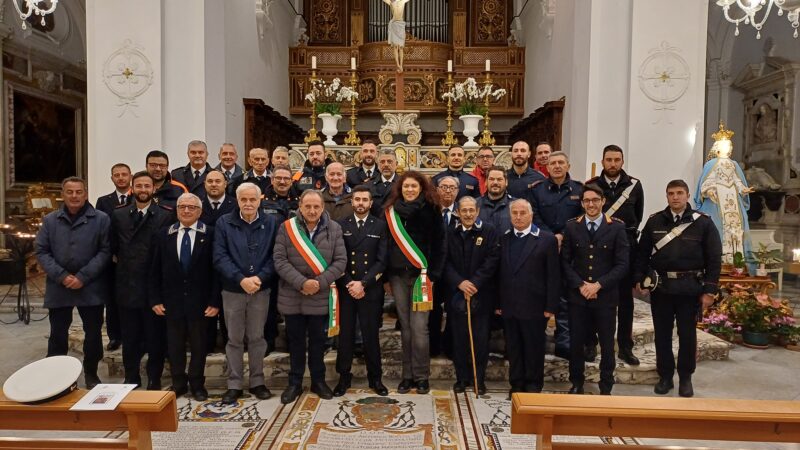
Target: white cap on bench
[[44, 380]]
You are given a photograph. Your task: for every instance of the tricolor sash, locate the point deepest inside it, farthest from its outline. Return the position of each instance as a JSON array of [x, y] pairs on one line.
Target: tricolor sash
[[311, 255], [422, 298]]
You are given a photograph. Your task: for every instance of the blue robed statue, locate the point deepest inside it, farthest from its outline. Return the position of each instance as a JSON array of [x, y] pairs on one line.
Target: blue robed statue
[[723, 194]]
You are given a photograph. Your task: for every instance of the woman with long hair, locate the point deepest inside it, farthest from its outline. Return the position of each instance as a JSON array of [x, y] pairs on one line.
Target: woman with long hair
[[416, 259]]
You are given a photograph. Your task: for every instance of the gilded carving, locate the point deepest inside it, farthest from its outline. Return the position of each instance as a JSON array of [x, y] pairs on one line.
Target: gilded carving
[[492, 21], [414, 90], [366, 90], [325, 20]]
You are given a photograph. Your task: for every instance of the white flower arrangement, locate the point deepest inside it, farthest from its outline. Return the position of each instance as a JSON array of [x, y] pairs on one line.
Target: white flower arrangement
[[326, 98], [470, 96]]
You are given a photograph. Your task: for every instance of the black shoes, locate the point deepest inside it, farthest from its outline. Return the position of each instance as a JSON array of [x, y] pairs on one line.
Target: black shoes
[[459, 387], [343, 385], [260, 392], [270, 347], [322, 390], [628, 357], [200, 394], [685, 388], [179, 391], [405, 386], [561, 353], [590, 353], [113, 344], [513, 390], [481, 389], [136, 381], [291, 393], [231, 396], [154, 384], [91, 380], [664, 385], [423, 387], [379, 388], [576, 389]]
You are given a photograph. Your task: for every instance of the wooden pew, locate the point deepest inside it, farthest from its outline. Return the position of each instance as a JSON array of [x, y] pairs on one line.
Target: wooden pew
[[139, 413], [652, 417]]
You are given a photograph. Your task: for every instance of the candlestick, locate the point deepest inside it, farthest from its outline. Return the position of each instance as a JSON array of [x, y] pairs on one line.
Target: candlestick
[[486, 137], [313, 62], [312, 132], [352, 135], [449, 136], [449, 65]]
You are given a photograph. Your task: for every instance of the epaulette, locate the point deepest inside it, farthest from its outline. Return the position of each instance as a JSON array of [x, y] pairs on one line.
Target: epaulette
[[122, 206], [165, 207], [655, 213], [507, 231], [576, 219], [591, 180], [536, 183], [179, 184], [615, 219]]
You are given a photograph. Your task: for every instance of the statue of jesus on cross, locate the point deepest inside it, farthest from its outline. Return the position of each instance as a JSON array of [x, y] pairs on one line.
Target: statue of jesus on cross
[[397, 30]]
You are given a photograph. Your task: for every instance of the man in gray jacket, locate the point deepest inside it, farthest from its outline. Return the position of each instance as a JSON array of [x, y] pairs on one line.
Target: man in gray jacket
[[73, 249], [309, 256]]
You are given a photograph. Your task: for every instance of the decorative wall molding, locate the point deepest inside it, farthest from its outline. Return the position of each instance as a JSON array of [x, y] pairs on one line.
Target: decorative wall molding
[[664, 77], [128, 74]]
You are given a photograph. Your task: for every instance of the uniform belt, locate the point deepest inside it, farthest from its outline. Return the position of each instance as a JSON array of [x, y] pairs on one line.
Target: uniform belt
[[683, 274]]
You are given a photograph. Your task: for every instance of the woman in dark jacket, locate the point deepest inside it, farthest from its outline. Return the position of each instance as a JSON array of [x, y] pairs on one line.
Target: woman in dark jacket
[[416, 257]]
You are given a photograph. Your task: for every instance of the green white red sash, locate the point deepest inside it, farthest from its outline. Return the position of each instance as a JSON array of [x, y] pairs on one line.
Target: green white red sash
[[422, 297], [312, 256]]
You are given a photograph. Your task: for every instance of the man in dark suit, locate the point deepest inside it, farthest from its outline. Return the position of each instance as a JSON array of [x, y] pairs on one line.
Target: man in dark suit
[[121, 177], [184, 289], [367, 171], [132, 230], [258, 174], [366, 240], [227, 162], [382, 186], [594, 260], [193, 174], [529, 281], [472, 255]]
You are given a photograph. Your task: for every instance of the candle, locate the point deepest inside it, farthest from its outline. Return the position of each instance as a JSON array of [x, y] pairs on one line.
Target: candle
[[313, 62], [352, 63], [449, 65], [488, 65], [796, 254]]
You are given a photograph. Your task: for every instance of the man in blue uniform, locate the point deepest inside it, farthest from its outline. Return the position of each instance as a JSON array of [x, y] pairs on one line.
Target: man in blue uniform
[[467, 184], [494, 206], [521, 176]]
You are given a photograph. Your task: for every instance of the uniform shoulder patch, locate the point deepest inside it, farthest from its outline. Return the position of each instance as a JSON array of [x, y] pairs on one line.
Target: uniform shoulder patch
[[121, 206], [591, 180], [615, 219], [166, 207], [574, 219], [536, 183], [655, 214]]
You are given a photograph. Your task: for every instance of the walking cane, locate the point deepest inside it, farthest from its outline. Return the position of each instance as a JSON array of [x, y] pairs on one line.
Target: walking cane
[[472, 344]]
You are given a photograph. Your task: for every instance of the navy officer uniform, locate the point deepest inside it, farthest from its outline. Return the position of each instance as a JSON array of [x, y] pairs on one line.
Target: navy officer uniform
[[593, 251], [356, 176], [367, 246], [467, 183], [687, 267]]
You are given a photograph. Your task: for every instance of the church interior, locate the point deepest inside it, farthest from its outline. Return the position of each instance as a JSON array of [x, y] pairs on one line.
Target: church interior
[[705, 91]]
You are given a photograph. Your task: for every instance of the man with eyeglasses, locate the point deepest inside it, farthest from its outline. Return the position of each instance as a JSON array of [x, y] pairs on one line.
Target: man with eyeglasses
[[167, 190], [594, 260], [467, 184], [132, 230], [484, 160]]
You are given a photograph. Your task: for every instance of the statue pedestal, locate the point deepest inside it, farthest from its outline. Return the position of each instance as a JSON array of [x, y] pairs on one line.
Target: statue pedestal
[[399, 122]]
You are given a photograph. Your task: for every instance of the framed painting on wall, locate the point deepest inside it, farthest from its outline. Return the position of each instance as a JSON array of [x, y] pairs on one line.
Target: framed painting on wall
[[43, 137]]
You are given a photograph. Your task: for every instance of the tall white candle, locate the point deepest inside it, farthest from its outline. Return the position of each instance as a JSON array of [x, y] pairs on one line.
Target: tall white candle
[[449, 65], [488, 65], [352, 63], [313, 62]]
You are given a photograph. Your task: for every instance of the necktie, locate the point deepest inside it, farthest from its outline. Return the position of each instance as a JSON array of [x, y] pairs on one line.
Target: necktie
[[613, 185], [215, 205], [122, 199], [196, 176], [360, 223], [228, 175], [592, 228], [447, 216], [520, 234], [186, 250], [677, 218], [369, 174], [139, 218]]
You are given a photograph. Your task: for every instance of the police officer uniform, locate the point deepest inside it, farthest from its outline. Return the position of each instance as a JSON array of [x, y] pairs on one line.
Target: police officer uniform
[[496, 212], [630, 211], [367, 254], [685, 268], [467, 183], [593, 251], [356, 176], [520, 185], [194, 182], [167, 195], [262, 181]]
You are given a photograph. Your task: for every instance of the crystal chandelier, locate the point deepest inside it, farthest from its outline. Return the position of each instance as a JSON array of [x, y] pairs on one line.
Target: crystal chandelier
[[32, 7], [751, 8]]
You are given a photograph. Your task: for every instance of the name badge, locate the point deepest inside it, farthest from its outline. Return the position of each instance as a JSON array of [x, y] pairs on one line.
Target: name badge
[[479, 241], [347, 233], [469, 186], [306, 180], [574, 197], [374, 236]]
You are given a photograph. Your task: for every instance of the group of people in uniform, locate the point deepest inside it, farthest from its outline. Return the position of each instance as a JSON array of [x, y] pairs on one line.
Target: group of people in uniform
[[183, 256]]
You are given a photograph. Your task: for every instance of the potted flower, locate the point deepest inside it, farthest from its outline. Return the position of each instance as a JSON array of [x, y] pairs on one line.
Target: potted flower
[[719, 325], [785, 329], [739, 268], [470, 99], [327, 99], [754, 312], [762, 257]]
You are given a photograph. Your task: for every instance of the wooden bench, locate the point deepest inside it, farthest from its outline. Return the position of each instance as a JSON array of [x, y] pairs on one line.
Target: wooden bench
[[651, 417], [139, 413]]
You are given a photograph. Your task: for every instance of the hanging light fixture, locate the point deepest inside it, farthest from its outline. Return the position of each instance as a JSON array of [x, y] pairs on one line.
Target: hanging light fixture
[[32, 7], [762, 9]]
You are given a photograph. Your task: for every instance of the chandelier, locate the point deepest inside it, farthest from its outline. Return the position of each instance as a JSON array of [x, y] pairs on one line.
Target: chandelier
[[751, 8], [32, 7]]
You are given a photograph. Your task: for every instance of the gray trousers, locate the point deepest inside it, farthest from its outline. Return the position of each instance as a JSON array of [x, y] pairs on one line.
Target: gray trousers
[[245, 315], [413, 329]]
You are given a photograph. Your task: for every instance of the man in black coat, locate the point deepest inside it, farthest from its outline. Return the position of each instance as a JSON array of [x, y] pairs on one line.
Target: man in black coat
[[529, 281], [193, 174], [121, 177], [132, 230], [473, 251], [366, 239], [166, 190], [312, 175], [258, 173], [679, 259], [467, 183], [382, 186], [594, 260], [184, 289], [216, 203], [366, 172], [625, 201]]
